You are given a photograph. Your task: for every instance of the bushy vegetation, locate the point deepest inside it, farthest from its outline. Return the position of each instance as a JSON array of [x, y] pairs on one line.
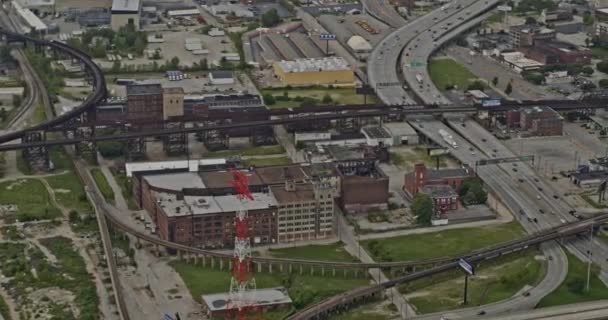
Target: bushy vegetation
[[31, 198], [422, 208], [471, 191], [97, 42]]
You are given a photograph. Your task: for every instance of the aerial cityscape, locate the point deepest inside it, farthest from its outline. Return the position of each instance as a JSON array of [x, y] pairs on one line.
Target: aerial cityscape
[[303, 159]]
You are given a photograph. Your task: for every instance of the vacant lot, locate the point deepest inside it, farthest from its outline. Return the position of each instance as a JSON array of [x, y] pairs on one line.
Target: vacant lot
[[447, 72], [493, 281], [329, 252], [439, 244], [294, 97], [30, 197]]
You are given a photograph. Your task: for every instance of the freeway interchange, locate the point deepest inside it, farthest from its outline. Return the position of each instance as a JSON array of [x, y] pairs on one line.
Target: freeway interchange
[[403, 54]]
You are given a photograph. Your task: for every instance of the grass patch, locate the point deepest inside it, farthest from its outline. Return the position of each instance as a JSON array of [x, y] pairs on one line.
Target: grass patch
[[375, 215], [592, 202], [31, 198], [329, 252], [303, 290], [39, 114], [254, 151], [443, 243], [599, 53], [447, 72], [70, 192], [493, 281], [60, 160], [22, 164], [295, 96], [11, 233], [572, 290], [126, 186], [265, 162], [102, 184]]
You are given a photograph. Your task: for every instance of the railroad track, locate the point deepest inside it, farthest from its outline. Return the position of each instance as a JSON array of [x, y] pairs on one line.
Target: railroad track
[[338, 303]]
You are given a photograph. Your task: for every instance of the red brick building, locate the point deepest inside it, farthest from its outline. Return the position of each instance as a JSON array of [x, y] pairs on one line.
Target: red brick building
[[444, 197], [557, 52], [541, 121], [145, 102], [422, 176], [363, 186]]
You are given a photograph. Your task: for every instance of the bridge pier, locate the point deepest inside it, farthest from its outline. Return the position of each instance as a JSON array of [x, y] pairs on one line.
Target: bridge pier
[[86, 149], [261, 135], [212, 262], [221, 264], [270, 267], [37, 158], [259, 267], [175, 144], [157, 250], [301, 271]]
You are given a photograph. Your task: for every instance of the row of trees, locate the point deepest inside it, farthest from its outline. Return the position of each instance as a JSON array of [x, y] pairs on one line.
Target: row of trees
[[97, 42]]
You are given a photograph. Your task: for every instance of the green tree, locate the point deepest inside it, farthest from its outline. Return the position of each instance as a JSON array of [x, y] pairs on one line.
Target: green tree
[[476, 85], [269, 99], [509, 89], [17, 100], [603, 83], [175, 62], [74, 216], [472, 191], [588, 19], [422, 208], [602, 66], [495, 81], [327, 99], [270, 18], [204, 64], [587, 70]]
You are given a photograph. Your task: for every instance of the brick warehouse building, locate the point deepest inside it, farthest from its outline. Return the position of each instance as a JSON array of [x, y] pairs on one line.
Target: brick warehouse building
[[145, 102], [364, 186], [421, 177], [196, 207], [541, 121]]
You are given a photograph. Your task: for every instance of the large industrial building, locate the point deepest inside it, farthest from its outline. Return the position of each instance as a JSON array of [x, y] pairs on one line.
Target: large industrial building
[[125, 12], [541, 121], [145, 102], [322, 71], [434, 182], [194, 203]]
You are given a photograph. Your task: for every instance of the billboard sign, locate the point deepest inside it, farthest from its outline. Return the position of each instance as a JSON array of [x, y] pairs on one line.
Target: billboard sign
[[504, 8], [327, 36], [491, 103], [438, 152], [467, 267]]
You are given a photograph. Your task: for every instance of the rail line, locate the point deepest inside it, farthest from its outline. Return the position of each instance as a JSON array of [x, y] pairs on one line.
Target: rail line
[[343, 301]]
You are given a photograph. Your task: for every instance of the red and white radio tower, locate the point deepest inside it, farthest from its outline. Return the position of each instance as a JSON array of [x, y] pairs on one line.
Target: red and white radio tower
[[242, 284]]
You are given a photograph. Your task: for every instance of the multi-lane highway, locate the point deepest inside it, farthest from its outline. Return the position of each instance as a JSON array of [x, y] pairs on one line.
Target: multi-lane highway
[[383, 11], [386, 63]]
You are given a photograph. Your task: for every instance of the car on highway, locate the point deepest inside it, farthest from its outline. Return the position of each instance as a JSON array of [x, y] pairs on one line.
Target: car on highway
[[541, 211]]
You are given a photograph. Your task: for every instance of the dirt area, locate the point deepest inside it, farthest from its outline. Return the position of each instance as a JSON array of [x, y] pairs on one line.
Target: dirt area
[[44, 297], [405, 157]]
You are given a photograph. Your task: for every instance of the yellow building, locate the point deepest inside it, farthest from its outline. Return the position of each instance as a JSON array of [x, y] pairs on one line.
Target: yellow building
[[321, 71]]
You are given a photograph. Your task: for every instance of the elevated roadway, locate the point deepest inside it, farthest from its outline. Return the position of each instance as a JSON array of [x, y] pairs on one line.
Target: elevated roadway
[[383, 11], [385, 63], [88, 105]]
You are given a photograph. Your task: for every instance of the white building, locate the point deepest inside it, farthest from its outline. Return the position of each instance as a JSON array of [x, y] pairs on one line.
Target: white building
[[359, 46], [28, 18], [402, 133], [376, 136], [39, 6], [518, 62], [125, 12]]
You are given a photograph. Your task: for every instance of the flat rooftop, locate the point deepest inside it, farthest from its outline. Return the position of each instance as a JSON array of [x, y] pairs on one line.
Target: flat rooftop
[[222, 179], [144, 89], [276, 175], [376, 133], [203, 205], [303, 192], [260, 297], [176, 181], [314, 65], [126, 6]]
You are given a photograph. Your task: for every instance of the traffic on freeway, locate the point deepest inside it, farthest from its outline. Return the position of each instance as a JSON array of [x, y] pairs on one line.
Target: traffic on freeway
[[386, 63]]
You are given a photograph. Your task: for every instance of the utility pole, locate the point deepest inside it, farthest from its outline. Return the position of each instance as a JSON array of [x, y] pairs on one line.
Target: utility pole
[[589, 257]]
